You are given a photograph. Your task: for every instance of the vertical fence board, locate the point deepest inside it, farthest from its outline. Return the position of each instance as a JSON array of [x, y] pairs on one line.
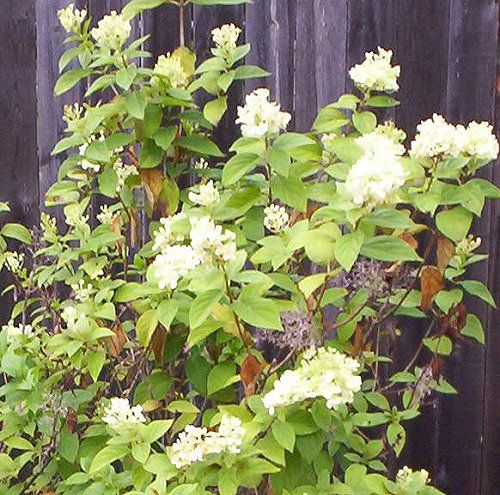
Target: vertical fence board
[[18, 109], [205, 19], [470, 96], [270, 30], [50, 37]]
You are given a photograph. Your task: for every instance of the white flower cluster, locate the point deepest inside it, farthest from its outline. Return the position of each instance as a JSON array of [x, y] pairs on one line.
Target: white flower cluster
[[170, 67], [72, 113], [322, 373], [123, 172], [414, 480], [121, 416], [438, 138], [467, 245], [376, 72], [71, 19], [12, 331], [379, 173], [276, 218], [13, 260], [82, 291], [208, 195], [194, 444], [208, 241], [172, 264], [107, 215], [226, 37], [201, 164], [260, 117], [112, 31]]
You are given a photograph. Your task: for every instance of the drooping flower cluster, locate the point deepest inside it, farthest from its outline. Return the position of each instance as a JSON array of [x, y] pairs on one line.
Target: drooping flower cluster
[[437, 138], [71, 19], [414, 481], [121, 416], [194, 444], [226, 37], [379, 173], [208, 195], [123, 172], [276, 218], [260, 117], [207, 242], [376, 72], [13, 261], [170, 67], [12, 331], [322, 373], [112, 31]]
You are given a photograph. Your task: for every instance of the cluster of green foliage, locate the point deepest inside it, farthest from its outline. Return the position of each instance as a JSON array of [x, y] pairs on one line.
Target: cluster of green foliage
[[188, 355]]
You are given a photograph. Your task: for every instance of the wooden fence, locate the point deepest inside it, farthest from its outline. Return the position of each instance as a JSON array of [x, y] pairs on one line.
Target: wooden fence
[[448, 51]]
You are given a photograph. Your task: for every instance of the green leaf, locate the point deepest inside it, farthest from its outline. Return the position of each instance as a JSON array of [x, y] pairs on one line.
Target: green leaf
[[347, 249], [381, 101], [201, 307], [125, 77], [284, 434], [221, 376], [17, 231], [478, 289], [96, 360], [184, 489], [135, 7], [309, 284], [136, 105], [164, 137], [199, 144], [107, 455], [346, 149], [439, 345], [156, 429], [70, 79], [290, 140], [140, 452], [290, 190], [151, 155], [396, 435], [228, 481], [67, 57], [249, 72], [259, 312], [364, 122], [166, 312], [237, 167], [473, 328], [454, 223], [146, 325], [390, 218], [388, 248], [215, 109]]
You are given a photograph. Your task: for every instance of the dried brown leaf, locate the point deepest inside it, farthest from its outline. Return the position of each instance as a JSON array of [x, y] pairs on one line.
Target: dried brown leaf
[[431, 282]]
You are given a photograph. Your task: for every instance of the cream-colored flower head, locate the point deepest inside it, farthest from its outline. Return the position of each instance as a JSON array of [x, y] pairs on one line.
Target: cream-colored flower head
[[376, 72], [112, 31], [71, 19]]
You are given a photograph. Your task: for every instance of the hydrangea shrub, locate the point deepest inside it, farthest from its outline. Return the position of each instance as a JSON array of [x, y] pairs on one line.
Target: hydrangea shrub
[[237, 335]]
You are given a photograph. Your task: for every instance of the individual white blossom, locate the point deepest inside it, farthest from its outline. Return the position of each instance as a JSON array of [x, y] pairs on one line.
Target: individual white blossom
[[201, 164], [170, 67], [226, 37], [123, 172], [376, 72], [322, 373], [121, 416], [172, 264], [12, 331], [477, 140], [210, 240], [112, 31], [435, 137], [260, 117], [208, 195], [276, 218], [414, 480], [194, 444], [378, 174], [107, 215], [71, 19], [164, 236]]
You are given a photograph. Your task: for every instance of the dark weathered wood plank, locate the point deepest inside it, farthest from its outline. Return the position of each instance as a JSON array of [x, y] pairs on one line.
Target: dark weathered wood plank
[[18, 108], [205, 19], [421, 48], [270, 29], [50, 37]]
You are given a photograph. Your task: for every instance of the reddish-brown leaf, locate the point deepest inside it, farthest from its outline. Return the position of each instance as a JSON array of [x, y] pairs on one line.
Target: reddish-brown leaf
[[158, 343], [409, 239], [250, 371], [71, 420], [445, 250], [436, 366], [431, 282], [152, 180], [117, 341], [358, 339]]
